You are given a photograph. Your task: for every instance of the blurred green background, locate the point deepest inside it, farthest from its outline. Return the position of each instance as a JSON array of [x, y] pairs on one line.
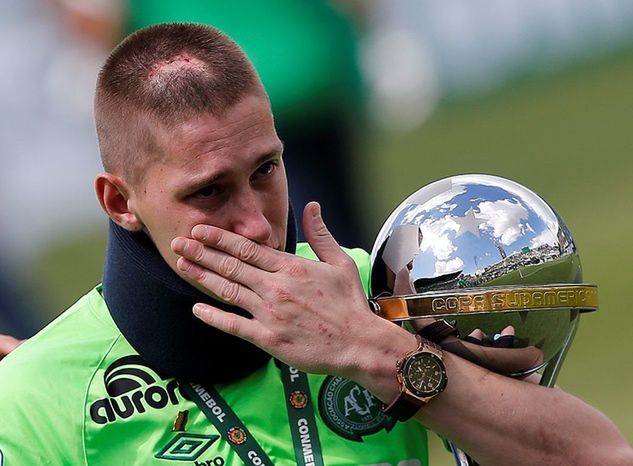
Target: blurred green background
[[568, 136]]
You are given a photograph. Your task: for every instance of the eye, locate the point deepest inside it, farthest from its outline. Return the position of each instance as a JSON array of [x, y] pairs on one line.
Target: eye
[[267, 168], [208, 191]]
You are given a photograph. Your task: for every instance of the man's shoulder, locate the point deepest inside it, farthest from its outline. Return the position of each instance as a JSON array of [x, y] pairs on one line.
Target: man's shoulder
[[69, 344], [45, 382], [359, 256]]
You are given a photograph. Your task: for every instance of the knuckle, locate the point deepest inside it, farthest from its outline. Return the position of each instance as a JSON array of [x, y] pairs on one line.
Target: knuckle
[[296, 269], [247, 250], [198, 274], [281, 294], [268, 340], [229, 267], [348, 264], [198, 253], [347, 259], [277, 317], [232, 326], [215, 236], [229, 291], [273, 340], [321, 230]]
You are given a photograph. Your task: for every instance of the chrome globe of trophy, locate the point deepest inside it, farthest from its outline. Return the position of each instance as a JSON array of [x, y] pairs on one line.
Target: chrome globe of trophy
[[483, 252]]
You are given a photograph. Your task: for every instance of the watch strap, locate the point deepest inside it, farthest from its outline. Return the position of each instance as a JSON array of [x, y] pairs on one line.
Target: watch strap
[[403, 407], [438, 331]]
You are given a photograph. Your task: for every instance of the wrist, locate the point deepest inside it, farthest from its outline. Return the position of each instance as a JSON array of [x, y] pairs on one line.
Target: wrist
[[421, 376], [376, 357]]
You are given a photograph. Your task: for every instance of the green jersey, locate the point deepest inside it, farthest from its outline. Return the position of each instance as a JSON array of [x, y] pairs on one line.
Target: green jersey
[[77, 393]]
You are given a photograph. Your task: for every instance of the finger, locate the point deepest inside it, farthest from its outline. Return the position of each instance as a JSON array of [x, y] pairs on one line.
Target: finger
[[227, 290], [220, 262], [227, 322], [503, 341], [319, 237], [8, 344], [510, 360], [472, 340], [262, 257], [500, 360], [475, 337]]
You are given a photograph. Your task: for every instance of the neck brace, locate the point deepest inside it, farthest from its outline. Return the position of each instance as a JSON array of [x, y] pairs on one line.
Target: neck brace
[[152, 307]]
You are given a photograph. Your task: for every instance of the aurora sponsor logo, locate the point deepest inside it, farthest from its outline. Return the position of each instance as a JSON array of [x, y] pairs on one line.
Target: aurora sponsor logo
[[133, 387], [351, 410]]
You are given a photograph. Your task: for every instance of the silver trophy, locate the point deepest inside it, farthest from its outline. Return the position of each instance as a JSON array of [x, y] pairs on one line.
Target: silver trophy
[[483, 252]]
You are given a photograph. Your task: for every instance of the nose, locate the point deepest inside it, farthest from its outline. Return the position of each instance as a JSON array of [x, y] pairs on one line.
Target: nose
[[249, 219]]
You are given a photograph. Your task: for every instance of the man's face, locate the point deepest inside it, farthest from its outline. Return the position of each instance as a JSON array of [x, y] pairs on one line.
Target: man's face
[[225, 171]]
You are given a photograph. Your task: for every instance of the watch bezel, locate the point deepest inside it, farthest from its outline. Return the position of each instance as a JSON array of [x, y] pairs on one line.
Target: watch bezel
[[405, 374]]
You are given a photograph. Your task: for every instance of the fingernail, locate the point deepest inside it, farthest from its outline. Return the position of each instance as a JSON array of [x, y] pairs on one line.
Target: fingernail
[[200, 232], [316, 211], [178, 245], [197, 309], [182, 264]]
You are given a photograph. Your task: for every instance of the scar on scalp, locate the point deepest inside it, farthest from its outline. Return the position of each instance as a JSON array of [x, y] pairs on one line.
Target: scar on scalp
[[179, 62]]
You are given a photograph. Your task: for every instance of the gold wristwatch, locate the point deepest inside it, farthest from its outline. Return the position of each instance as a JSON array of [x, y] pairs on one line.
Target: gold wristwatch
[[422, 376]]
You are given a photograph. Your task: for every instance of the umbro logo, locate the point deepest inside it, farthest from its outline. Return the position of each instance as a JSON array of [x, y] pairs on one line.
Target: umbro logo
[[189, 447]]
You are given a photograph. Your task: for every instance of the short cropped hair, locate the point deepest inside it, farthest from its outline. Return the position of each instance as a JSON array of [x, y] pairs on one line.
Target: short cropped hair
[[159, 76]]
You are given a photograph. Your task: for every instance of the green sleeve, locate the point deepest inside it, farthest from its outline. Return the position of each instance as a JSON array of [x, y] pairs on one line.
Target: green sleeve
[[39, 421], [43, 387]]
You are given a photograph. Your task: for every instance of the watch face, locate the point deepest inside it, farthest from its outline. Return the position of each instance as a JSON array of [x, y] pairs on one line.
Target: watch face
[[424, 374]]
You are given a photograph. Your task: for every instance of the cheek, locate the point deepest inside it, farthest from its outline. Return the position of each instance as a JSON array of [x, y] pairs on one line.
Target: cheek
[[278, 202], [184, 220], [278, 216], [167, 221], [281, 187]]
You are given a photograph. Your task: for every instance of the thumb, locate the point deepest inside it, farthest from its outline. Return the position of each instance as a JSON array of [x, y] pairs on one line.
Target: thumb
[[319, 237]]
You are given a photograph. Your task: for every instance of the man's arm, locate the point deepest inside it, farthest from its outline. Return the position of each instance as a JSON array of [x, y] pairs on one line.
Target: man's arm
[[314, 316]]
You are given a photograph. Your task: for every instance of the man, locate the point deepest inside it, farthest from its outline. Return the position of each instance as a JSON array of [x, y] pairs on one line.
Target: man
[[186, 137], [194, 184]]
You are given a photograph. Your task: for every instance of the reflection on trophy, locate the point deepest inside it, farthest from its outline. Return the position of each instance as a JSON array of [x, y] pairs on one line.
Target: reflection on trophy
[[483, 252]]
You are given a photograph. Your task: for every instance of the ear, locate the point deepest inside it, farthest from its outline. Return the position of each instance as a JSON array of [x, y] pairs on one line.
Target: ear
[[114, 196]]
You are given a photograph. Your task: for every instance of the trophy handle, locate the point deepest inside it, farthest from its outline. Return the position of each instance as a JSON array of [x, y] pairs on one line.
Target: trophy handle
[[553, 366], [548, 380]]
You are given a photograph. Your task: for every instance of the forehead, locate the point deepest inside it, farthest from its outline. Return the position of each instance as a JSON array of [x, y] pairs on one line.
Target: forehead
[[243, 133]]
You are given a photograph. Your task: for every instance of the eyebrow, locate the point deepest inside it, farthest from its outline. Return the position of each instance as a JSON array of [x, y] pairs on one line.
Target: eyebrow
[[194, 185]]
